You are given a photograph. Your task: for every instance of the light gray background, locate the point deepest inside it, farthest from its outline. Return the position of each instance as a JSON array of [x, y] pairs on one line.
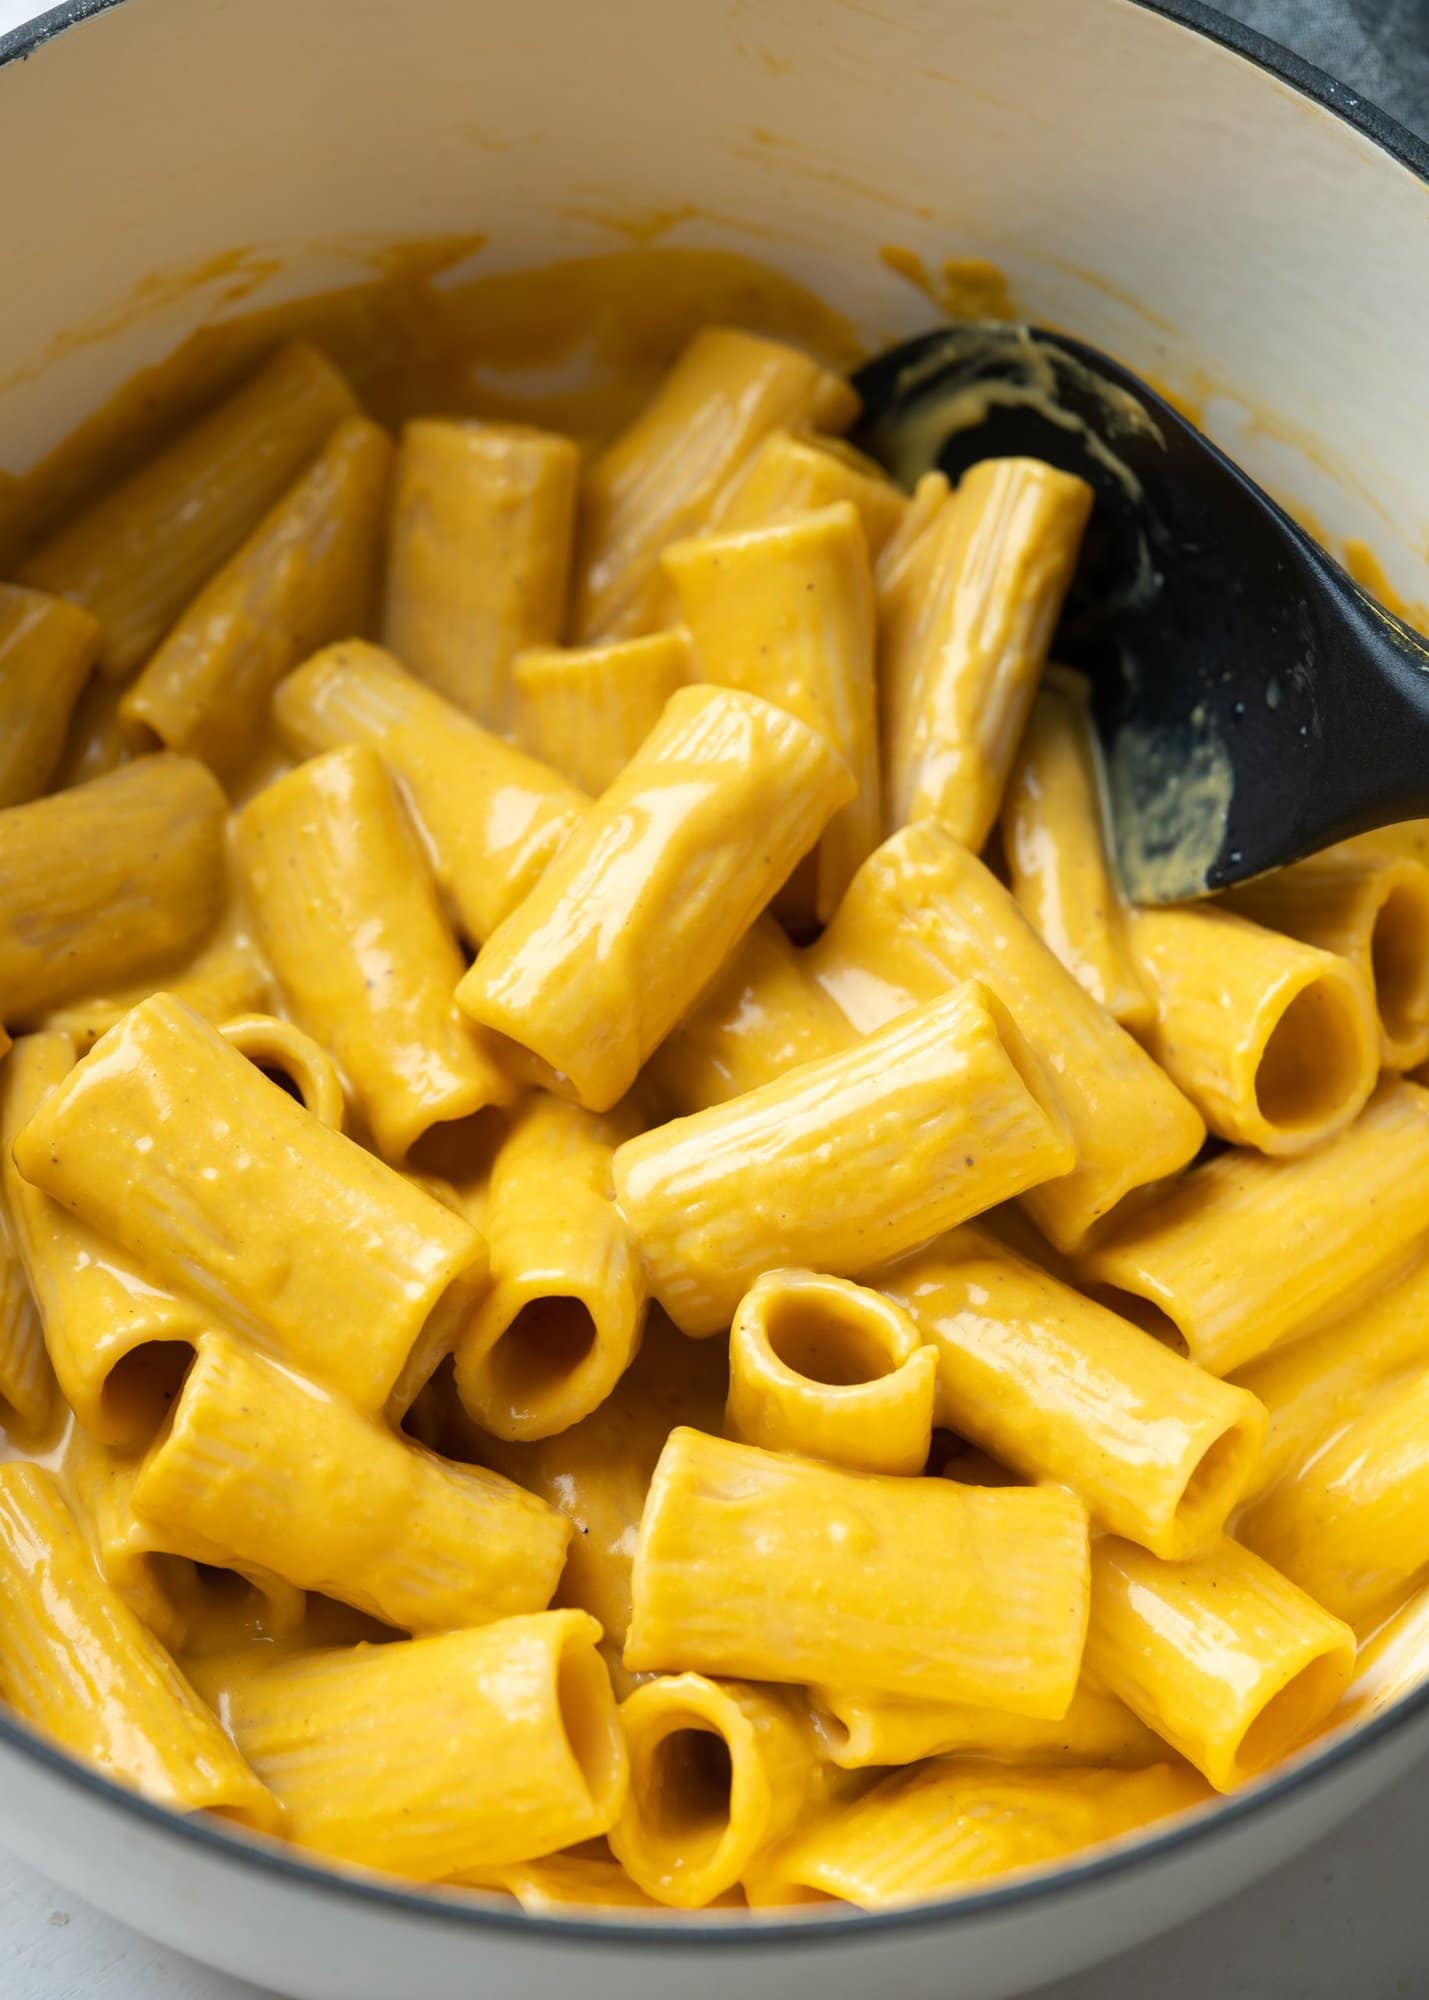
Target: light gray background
[[1349, 1920]]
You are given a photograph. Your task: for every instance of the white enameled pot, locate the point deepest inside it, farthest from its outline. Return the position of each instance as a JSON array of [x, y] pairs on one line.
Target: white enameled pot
[[1152, 177]]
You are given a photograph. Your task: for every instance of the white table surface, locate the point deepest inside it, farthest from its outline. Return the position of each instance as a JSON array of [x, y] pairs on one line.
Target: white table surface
[[1349, 1921]]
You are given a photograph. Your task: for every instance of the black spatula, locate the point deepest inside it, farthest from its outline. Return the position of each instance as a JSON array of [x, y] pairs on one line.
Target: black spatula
[[1253, 702]]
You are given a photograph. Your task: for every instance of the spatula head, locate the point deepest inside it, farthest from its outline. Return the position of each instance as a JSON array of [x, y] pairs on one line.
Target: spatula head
[[1198, 610]]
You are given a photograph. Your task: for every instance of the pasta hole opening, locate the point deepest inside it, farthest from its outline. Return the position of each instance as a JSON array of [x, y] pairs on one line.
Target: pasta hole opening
[[138, 735], [1029, 1066], [285, 1081], [544, 1345], [1289, 1716], [141, 1387], [591, 1723], [831, 1346], [1399, 954], [207, 1589], [690, 1793], [1217, 1475], [1145, 1313], [1315, 1062]]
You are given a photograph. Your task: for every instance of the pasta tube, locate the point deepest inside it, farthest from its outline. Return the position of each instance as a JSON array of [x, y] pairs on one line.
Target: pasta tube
[[26, 1378], [960, 667], [47, 648], [349, 919], [98, 882], [77, 1664], [180, 1586], [598, 1472], [479, 556], [923, 913], [563, 1315], [586, 710], [585, 1879], [677, 465], [786, 613], [651, 895], [275, 1471], [1247, 1250], [292, 1060], [1223, 1657], [1274, 1042], [777, 1569], [138, 555], [794, 473], [224, 978], [718, 1771], [1054, 837], [1315, 1385], [522, 1711], [302, 578], [1371, 907], [119, 1343], [857, 1730], [1057, 1387], [762, 1015], [949, 1825], [900, 567], [844, 1163], [492, 817], [1351, 1524], [823, 1367], [165, 1141]]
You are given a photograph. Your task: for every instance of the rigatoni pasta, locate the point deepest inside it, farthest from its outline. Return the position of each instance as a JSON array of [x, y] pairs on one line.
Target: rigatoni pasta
[[941, 1115], [66, 1632], [470, 1263], [302, 578], [681, 460], [478, 557], [858, 1730], [922, 914], [1222, 1656], [137, 556], [1247, 1250], [205, 1209], [562, 1317], [947, 1824], [1274, 1042], [786, 612], [1055, 840], [1059, 1388], [118, 1341], [103, 880], [47, 648], [960, 663], [1373, 908], [271, 1470], [719, 1770], [827, 1368], [349, 919], [523, 1705], [646, 901], [765, 1013], [493, 817], [777, 1568], [586, 710]]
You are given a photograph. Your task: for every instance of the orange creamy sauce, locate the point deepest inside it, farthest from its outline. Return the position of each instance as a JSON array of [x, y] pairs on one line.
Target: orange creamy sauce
[[575, 346]]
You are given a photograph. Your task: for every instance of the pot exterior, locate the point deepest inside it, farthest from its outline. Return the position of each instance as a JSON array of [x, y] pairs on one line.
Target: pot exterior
[[1136, 182]]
